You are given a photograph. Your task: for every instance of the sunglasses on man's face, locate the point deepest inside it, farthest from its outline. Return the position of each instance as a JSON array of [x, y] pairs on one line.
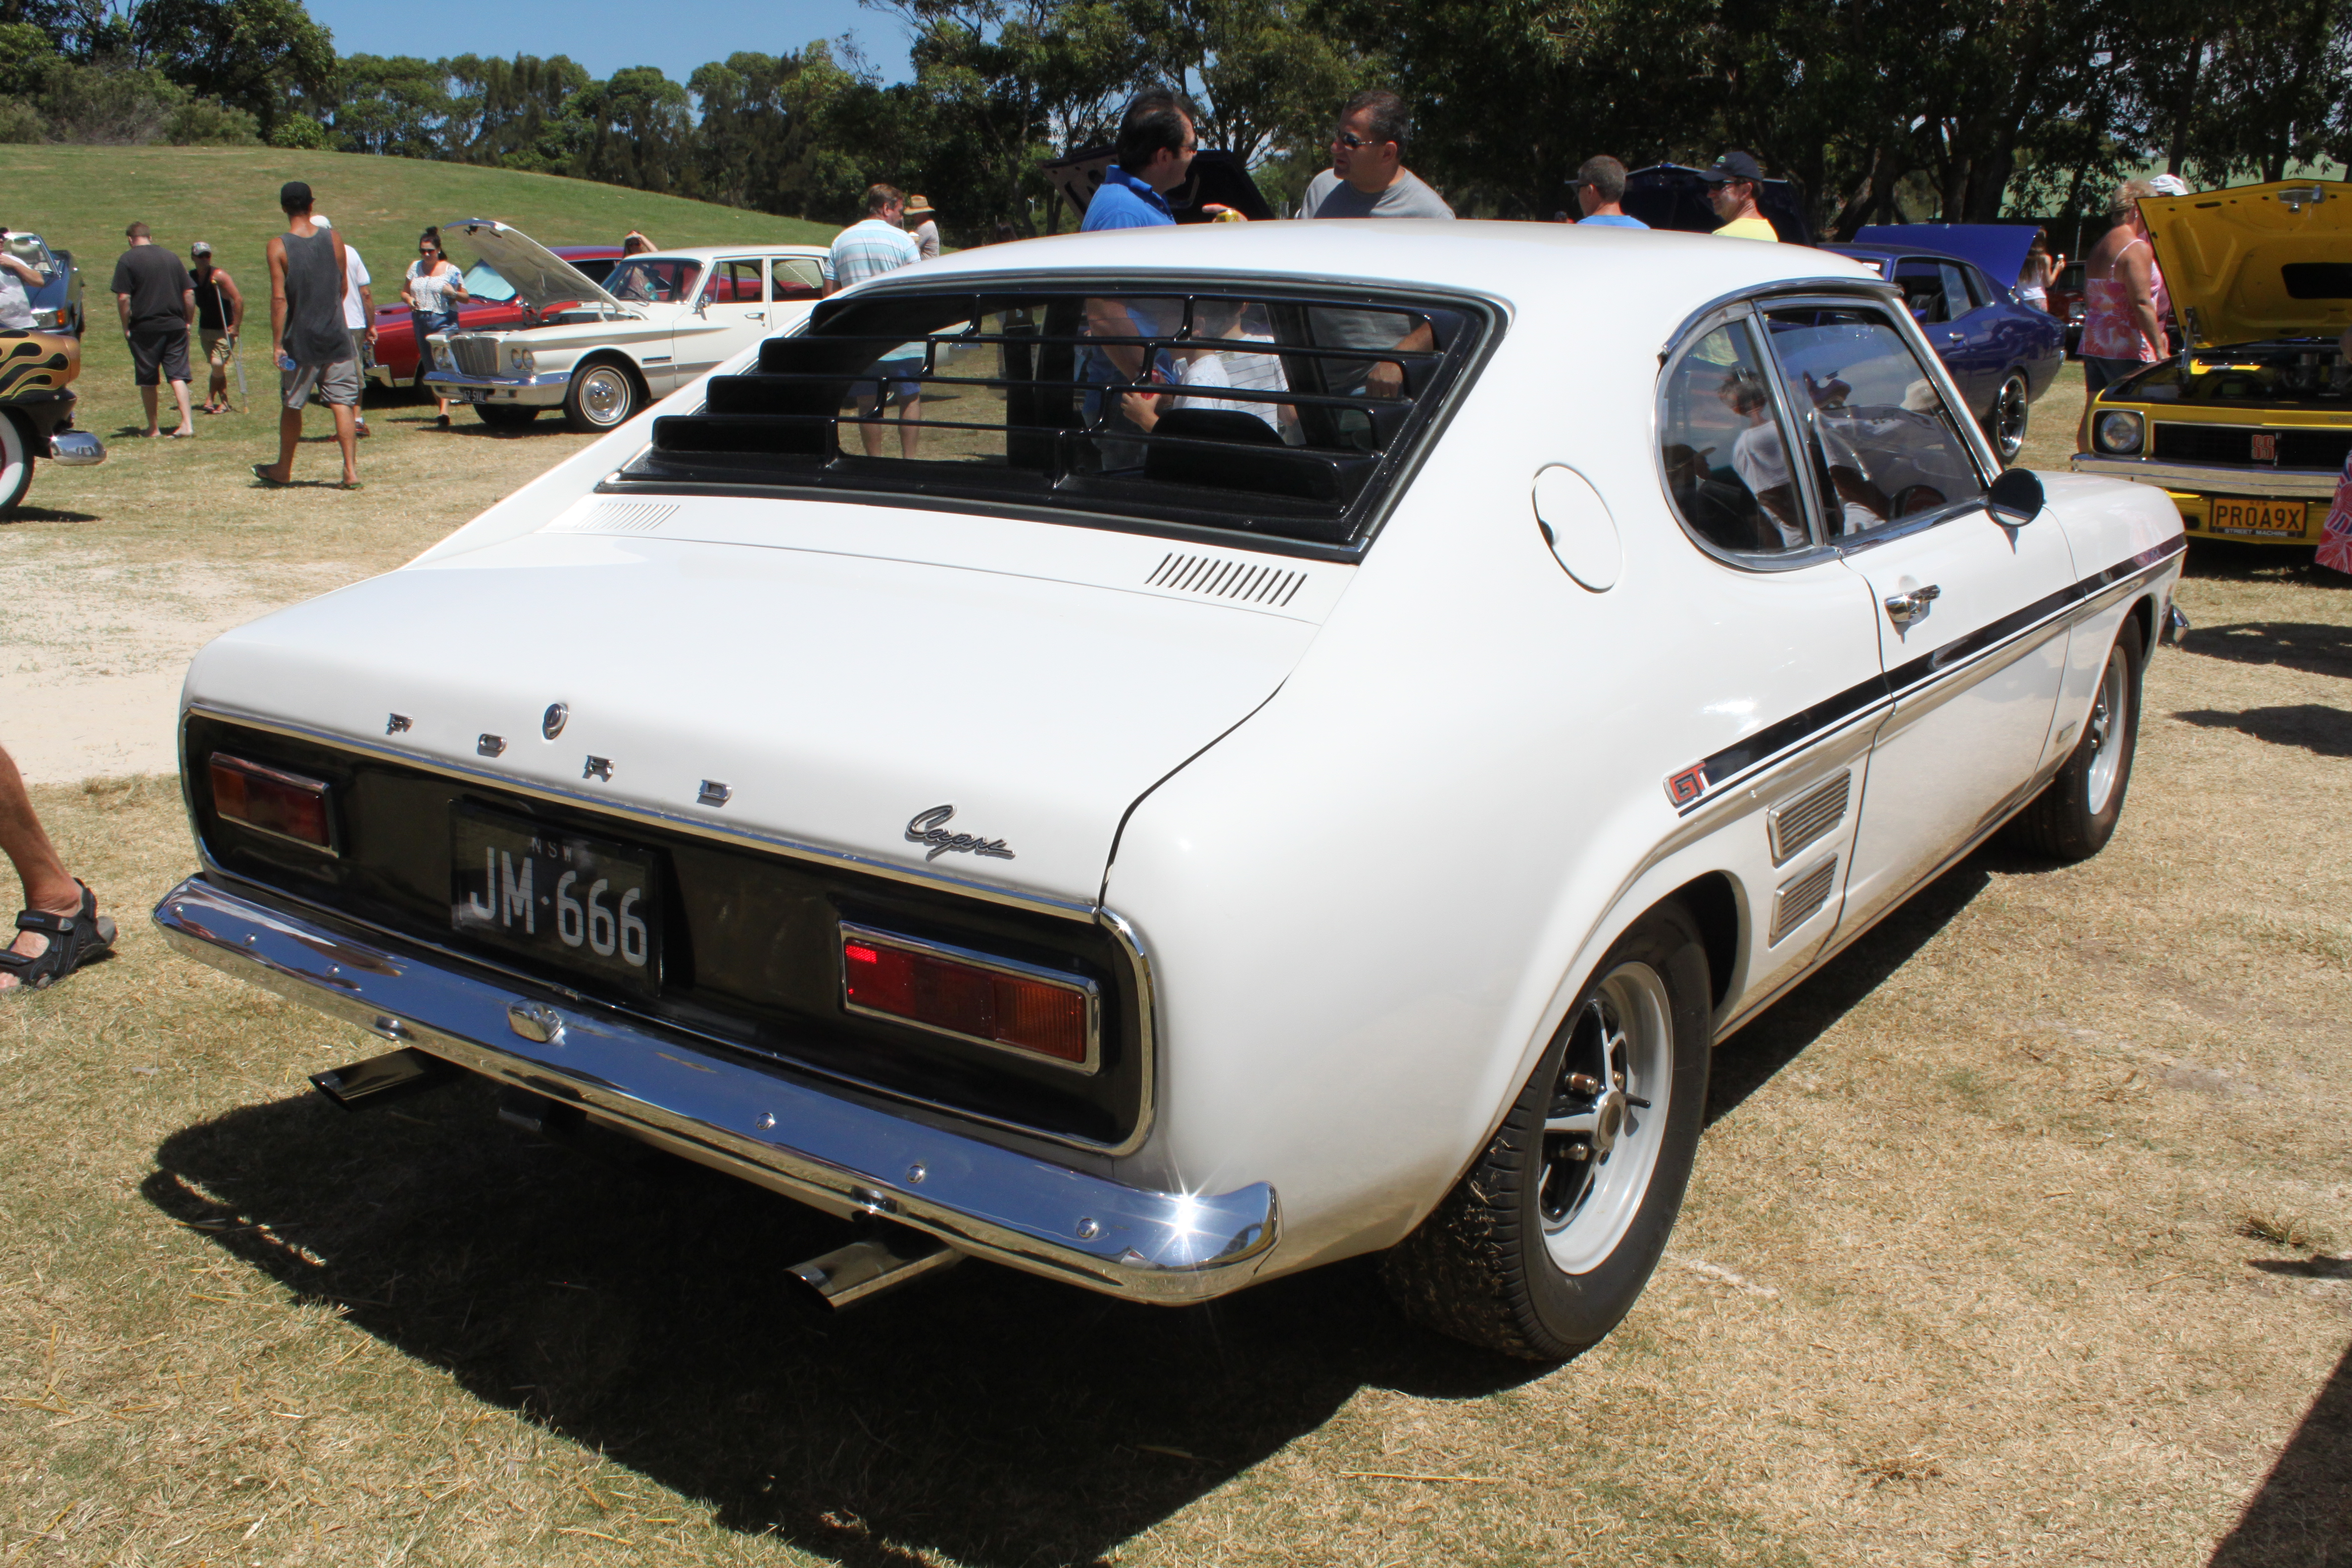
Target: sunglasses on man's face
[[1350, 140]]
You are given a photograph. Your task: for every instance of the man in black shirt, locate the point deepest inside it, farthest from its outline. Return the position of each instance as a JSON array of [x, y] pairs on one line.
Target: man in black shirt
[[158, 306]]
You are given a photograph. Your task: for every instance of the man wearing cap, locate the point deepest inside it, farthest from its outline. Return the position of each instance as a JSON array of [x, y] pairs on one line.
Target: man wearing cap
[[359, 309], [1731, 191], [220, 316], [927, 232], [157, 306], [306, 336], [1601, 191]]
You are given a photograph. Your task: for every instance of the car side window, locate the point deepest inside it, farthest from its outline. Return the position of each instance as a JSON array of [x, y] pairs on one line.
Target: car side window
[[1922, 282], [1961, 294], [1725, 444], [735, 282], [1876, 432], [797, 277]]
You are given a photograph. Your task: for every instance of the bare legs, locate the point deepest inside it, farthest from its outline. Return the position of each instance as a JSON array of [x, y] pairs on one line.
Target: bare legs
[[147, 396], [290, 436], [47, 885], [870, 420]]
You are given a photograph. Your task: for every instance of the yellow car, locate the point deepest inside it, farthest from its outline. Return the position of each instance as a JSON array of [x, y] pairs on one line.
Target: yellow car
[[2247, 429]]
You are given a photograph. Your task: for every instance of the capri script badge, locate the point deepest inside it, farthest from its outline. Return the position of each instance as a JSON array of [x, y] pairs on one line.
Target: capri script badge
[[930, 827]]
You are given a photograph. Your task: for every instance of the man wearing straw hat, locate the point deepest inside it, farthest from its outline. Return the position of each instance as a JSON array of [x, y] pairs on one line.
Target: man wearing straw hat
[[926, 232]]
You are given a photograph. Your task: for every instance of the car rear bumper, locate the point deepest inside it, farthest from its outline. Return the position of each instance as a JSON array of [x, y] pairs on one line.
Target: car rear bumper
[[538, 391], [680, 1093]]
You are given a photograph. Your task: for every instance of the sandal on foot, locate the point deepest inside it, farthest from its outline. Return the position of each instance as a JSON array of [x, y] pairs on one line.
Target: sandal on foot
[[74, 939], [261, 472]]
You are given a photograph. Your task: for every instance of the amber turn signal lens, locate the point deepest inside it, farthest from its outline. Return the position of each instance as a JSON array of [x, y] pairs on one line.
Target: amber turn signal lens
[[1027, 1013], [284, 805]]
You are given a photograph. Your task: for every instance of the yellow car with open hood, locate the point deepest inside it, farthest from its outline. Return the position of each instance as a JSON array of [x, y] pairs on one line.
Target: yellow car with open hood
[[2248, 427]]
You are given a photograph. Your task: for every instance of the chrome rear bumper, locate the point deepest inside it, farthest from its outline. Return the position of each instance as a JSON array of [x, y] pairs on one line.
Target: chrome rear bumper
[[751, 1121]]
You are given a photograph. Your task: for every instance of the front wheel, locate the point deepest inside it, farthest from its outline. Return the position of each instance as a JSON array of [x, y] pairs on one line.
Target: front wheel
[[17, 443], [2076, 812], [1545, 1244], [601, 396], [2012, 409]]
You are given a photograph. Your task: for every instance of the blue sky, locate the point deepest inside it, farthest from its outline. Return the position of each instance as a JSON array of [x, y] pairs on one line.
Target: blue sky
[[607, 35]]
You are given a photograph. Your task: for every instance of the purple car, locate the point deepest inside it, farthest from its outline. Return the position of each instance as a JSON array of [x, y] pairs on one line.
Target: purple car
[[1958, 280]]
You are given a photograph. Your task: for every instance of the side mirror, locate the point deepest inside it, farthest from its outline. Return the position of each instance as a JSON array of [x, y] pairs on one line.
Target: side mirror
[[2015, 498]]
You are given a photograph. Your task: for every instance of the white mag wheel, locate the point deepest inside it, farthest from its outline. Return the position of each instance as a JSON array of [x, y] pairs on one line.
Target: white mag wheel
[[17, 443], [1608, 1118], [601, 396]]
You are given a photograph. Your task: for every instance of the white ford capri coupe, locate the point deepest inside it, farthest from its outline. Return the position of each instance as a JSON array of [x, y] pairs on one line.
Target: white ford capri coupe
[[1168, 759], [601, 352]]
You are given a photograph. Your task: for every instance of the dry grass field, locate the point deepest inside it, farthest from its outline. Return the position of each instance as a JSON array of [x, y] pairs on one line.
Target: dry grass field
[[2022, 1234]]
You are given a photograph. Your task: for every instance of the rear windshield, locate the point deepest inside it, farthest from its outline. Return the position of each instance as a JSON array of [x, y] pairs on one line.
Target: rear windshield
[[1275, 413]]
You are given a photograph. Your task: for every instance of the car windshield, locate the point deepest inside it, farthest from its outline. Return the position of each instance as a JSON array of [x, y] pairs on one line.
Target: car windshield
[[484, 282], [1283, 414], [28, 250], [653, 279]]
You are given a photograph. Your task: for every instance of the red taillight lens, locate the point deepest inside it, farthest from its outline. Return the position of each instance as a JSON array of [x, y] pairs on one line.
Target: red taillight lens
[[282, 805], [988, 1000]]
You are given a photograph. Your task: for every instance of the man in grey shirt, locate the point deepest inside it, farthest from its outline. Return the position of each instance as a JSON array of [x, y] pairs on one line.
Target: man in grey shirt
[[1368, 177], [308, 276]]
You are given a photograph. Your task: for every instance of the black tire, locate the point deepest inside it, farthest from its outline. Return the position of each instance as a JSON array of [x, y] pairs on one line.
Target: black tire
[[2076, 812], [19, 447], [601, 396], [2012, 410], [505, 416], [1497, 1262]]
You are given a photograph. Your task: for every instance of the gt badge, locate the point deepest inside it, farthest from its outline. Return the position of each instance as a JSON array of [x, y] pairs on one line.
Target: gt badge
[[1687, 786], [2265, 447]]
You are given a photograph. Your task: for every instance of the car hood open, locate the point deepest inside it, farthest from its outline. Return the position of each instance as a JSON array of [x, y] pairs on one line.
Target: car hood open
[[2257, 262], [1997, 249], [540, 278], [843, 702]]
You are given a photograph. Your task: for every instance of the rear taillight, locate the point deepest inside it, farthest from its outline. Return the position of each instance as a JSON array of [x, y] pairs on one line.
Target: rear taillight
[[284, 805], [972, 996]]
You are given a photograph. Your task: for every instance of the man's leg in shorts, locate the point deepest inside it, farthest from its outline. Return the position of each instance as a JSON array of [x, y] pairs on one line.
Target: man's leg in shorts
[[873, 404], [910, 411], [176, 372], [293, 391], [146, 366], [47, 885], [360, 358], [214, 345], [339, 388]]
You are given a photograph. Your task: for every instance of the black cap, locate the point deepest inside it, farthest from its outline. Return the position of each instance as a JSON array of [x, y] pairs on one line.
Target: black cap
[[1733, 166], [293, 197]]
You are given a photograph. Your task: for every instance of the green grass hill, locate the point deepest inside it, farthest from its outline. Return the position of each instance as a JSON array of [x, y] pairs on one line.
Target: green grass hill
[[81, 198]]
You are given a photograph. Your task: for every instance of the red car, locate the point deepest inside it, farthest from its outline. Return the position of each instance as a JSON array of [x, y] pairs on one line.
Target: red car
[[494, 306]]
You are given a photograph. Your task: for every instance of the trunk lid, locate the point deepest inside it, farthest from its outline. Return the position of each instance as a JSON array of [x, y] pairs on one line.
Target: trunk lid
[[2256, 262], [540, 278], [845, 688]]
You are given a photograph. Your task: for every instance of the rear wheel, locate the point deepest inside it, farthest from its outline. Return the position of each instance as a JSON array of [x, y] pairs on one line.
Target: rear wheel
[[1545, 1244], [601, 396], [2076, 813], [2012, 409], [18, 444], [505, 416]]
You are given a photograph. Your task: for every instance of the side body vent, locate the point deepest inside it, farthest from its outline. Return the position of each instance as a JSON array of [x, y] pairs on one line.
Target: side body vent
[[616, 516], [1800, 900], [1793, 824], [1222, 577]]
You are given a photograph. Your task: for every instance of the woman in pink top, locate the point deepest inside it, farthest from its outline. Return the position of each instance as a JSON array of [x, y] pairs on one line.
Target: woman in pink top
[[2124, 300]]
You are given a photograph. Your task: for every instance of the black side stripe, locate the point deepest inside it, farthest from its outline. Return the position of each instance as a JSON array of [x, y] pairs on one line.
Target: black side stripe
[[1816, 722]]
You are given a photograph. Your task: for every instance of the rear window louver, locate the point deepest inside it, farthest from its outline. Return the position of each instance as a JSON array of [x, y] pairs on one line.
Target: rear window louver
[[1268, 415]]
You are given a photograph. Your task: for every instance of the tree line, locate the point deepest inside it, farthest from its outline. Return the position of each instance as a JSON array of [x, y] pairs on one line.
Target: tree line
[[1959, 111]]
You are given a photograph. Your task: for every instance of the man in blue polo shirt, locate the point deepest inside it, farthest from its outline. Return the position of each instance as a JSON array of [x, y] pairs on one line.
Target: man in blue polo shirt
[[1155, 150]]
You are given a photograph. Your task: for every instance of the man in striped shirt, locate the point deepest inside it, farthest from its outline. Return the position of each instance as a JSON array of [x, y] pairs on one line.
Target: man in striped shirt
[[867, 249]]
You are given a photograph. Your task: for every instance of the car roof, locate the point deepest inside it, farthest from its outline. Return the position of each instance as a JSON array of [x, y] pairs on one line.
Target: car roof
[[1901, 253], [712, 252], [585, 252]]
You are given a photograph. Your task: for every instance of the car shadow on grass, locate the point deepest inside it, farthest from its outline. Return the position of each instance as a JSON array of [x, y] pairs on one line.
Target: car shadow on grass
[[2316, 728], [1750, 1059], [46, 514], [2302, 1515], [642, 1311], [2313, 647]]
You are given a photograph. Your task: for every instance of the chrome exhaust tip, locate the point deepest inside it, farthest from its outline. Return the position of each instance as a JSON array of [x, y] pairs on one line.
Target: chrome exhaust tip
[[882, 1259], [362, 1086], [75, 448]]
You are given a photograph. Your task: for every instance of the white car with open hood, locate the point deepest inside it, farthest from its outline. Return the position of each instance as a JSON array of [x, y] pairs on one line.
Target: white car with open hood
[[601, 351], [1275, 746]]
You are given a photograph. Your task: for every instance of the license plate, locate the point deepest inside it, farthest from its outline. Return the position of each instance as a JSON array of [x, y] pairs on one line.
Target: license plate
[[2227, 514], [583, 905]]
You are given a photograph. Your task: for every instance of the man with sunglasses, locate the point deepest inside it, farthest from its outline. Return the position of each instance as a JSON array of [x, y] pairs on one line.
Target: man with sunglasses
[[1155, 147], [1368, 177]]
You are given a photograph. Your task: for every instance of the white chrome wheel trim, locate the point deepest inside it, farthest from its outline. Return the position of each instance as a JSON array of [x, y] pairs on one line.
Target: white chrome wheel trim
[[2011, 411], [2104, 732], [604, 395], [1631, 1017], [16, 458]]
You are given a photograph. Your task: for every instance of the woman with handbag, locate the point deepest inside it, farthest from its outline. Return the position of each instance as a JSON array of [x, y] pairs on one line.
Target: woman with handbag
[[434, 289]]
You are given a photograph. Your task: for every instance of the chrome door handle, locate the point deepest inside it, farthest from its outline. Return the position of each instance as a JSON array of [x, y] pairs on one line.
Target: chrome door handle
[[1904, 609]]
